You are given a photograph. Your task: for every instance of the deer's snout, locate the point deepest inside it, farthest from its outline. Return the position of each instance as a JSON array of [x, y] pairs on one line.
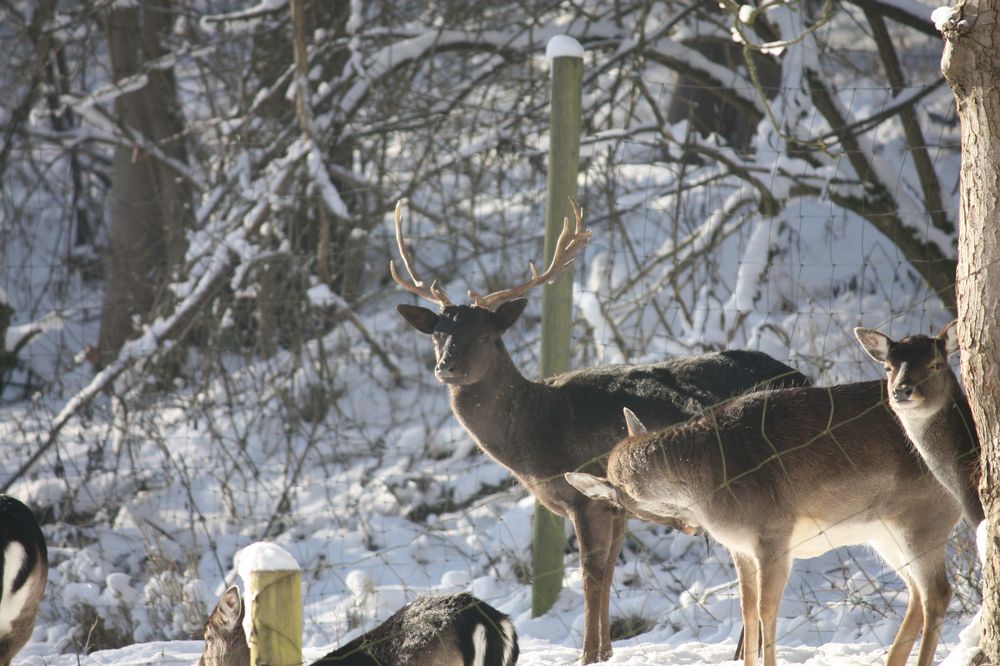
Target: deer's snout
[[902, 392], [448, 369]]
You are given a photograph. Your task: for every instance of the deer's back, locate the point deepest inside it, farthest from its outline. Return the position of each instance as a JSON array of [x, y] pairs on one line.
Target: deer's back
[[689, 383], [836, 455], [664, 393], [430, 630]]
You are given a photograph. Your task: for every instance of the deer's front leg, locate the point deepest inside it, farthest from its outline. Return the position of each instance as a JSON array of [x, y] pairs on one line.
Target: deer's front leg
[[748, 575], [600, 529]]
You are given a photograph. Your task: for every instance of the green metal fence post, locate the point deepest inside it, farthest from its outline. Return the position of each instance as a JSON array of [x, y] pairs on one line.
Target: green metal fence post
[[565, 56]]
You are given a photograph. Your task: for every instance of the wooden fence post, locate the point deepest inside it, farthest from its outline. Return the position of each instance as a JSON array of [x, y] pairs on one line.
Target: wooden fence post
[[273, 583], [565, 57]]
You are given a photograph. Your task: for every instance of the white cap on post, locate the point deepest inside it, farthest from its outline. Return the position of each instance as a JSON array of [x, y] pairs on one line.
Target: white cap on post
[[272, 579], [562, 46]]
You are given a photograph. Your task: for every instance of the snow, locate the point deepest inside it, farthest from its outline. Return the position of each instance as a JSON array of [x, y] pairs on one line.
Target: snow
[[943, 17], [263, 556], [383, 497], [17, 335], [331, 195], [562, 46]]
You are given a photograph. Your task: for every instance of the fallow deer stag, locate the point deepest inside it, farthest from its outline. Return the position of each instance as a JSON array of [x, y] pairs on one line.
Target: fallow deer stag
[[539, 430], [793, 473], [24, 571], [926, 396], [449, 630]]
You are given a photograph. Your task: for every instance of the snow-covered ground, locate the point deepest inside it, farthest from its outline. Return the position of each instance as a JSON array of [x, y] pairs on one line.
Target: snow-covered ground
[[366, 477], [151, 498]]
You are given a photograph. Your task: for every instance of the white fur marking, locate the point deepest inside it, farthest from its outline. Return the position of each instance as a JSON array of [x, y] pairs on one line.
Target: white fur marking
[[13, 602], [507, 630], [479, 645], [811, 537]]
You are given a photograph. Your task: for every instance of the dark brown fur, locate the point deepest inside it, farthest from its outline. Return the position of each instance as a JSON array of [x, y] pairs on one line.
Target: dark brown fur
[[19, 604], [429, 631], [539, 430]]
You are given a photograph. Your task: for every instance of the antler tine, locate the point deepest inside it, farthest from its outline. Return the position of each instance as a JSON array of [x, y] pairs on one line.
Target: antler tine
[[434, 293], [568, 245]]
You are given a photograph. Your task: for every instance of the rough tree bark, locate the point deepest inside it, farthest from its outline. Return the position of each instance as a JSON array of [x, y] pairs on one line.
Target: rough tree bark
[[971, 64], [149, 206]]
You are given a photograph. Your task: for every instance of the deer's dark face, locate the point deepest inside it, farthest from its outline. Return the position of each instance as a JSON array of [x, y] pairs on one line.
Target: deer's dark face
[[466, 338], [920, 379], [917, 370]]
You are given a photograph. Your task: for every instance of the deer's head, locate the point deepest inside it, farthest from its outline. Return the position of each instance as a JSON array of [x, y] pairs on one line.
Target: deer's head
[[606, 490], [225, 642], [467, 338], [920, 379]]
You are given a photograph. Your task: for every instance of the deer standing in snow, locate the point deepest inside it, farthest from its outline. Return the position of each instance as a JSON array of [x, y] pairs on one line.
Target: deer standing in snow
[[792, 473], [24, 571], [926, 396], [451, 630], [539, 430]]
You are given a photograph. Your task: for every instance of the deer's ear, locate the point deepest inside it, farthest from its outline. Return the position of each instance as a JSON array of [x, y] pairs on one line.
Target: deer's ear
[[874, 343], [634, 425], [950, 336], [422, 319], [229, 612], [592, 486], [508, 312]]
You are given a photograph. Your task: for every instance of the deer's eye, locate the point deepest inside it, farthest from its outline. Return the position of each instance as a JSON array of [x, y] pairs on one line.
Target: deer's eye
[[936, 366], [484, 339], [888, 368]]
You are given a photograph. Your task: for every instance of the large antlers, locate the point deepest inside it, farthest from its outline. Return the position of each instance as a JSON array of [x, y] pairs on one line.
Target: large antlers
[[433, 293], [568, 245]]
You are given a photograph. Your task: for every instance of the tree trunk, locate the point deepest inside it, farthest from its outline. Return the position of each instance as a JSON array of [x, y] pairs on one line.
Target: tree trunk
[[971, 63], [149, 206]]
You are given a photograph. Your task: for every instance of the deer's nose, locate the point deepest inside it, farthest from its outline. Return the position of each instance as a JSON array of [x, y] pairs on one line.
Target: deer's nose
[[447, 367], [902, 392]]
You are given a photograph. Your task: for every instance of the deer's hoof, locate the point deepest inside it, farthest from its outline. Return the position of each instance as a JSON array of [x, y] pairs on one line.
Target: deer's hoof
[[595, 657]]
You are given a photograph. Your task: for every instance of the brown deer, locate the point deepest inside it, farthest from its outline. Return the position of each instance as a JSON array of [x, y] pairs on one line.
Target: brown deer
[[793, 473], [24, 571], [539, 430], [926, 396], [450, 630]]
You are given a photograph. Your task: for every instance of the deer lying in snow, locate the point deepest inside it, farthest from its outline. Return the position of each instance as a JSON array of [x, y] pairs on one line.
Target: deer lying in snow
[[24, 571], [539, 430], [793, 473], [926, 396], [452, 630]]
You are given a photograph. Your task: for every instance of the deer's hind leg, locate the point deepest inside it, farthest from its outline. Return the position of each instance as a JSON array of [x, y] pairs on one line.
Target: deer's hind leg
[[931, 579], [930, 592]]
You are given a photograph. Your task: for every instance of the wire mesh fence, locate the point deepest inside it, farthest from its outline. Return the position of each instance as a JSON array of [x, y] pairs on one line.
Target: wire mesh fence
[[770, 203]]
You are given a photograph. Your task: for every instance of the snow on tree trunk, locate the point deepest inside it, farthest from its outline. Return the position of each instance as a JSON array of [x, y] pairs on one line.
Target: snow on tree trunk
[[149, 205], [971, 63]]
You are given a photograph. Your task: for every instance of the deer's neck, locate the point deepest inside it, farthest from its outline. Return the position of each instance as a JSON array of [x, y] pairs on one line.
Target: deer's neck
[[493, 410], [952, 420], [945, 436]]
